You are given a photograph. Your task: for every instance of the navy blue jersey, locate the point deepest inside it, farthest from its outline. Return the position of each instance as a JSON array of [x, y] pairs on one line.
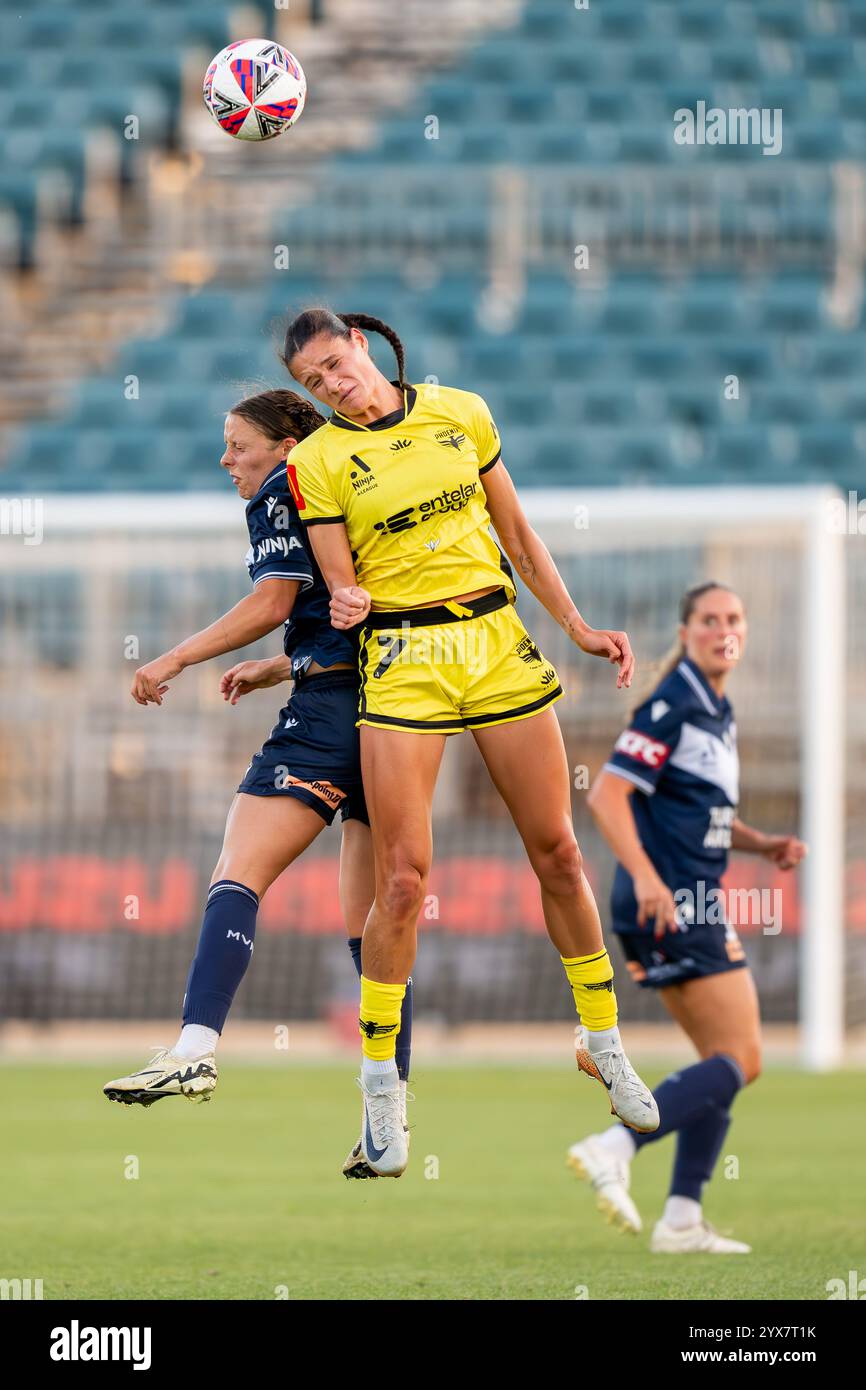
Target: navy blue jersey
[[278, 550], [680, 752]]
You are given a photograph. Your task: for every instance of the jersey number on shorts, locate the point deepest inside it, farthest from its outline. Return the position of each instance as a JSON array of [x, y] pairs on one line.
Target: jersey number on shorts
[[394, 649]]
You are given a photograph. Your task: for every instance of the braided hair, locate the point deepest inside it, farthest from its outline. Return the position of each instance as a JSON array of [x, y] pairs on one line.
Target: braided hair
[[279, 414], [311, 322]]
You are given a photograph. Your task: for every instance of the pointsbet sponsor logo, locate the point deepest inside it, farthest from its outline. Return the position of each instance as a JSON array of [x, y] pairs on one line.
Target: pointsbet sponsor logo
[[77, 1343]]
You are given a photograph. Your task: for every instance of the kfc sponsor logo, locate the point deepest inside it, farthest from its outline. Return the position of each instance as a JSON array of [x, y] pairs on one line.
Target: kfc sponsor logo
[[643, 749]]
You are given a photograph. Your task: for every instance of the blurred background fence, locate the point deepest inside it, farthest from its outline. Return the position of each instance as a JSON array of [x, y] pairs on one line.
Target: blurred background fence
[[503, 185], [112, 815]]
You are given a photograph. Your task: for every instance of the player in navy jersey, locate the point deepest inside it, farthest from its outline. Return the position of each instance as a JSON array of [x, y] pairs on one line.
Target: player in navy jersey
[[307, 770], [666, 802]]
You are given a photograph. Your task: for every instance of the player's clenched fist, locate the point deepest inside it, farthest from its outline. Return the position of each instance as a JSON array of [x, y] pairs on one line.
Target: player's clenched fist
[[786, 851], [349, 606]]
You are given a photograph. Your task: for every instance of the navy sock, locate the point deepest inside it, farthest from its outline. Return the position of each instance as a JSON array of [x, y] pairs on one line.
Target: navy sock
[[403, 1054], [225, 948], [354, 944], [692, 1094], [698, 1148]]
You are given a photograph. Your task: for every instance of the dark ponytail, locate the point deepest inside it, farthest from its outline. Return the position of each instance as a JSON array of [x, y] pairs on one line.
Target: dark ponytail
[[311, 322], [279, 414]]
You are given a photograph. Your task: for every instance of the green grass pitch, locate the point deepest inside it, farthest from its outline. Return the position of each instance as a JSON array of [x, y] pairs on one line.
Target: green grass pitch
[[243, 1197]]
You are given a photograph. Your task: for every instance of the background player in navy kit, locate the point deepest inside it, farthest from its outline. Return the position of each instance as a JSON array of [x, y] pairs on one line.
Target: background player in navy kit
[[307, 769], [666, 803]]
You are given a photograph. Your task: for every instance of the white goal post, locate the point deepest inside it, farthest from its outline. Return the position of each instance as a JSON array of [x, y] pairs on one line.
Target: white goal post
[[762, 516], [626, 554]]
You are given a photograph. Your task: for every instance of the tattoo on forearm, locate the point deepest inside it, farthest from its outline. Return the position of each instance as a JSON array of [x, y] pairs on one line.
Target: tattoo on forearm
[[526, 565]]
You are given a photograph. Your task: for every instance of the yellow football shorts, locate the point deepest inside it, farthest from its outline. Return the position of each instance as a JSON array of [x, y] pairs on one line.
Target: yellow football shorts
[[452, 667]]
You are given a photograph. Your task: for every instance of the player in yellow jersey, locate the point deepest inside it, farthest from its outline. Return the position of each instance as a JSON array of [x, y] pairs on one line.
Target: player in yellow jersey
[[397, 492]]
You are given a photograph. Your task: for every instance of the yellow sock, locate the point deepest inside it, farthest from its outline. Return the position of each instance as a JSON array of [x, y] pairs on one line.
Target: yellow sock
[[379, 1023], [591, 980]]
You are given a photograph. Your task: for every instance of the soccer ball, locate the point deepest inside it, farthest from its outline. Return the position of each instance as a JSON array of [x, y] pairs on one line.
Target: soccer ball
[[254, 89]]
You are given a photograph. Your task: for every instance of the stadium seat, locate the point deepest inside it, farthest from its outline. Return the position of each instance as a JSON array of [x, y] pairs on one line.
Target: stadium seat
[[828, 57], [19, 197], [854, 15], [781, 20], [46, 28], [632, 363], [697, 20], [498, 60], [205, 315]]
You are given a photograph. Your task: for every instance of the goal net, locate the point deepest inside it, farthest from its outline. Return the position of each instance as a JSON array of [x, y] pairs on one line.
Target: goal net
[[113, 814]]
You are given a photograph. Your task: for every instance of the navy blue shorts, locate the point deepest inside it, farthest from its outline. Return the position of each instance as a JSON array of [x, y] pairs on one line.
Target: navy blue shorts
[[654, 962], [314, 751]]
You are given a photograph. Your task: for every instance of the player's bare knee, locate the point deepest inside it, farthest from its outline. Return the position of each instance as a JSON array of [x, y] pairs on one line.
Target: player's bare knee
[[560, 868], [226, 867], [751, 1062], [746, 1057], [401, 891]]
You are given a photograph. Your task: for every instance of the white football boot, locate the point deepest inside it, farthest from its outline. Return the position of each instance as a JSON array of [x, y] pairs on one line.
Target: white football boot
[[630, 1100], [384, 1136], [165, 1075], [356, 1165], [700, 1239], [610, 1179]]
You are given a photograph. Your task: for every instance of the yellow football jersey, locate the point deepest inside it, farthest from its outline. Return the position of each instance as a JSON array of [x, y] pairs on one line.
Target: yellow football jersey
[[408, 487]]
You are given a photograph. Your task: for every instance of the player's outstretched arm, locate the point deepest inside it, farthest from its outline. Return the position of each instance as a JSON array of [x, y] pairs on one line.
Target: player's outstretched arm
[[609, 801], [786, 851], [266, 608], [350, 604], [534, 563]]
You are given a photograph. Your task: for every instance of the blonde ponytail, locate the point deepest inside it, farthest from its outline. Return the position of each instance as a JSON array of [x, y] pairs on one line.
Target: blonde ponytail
[[656, 672], [661, 669]]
